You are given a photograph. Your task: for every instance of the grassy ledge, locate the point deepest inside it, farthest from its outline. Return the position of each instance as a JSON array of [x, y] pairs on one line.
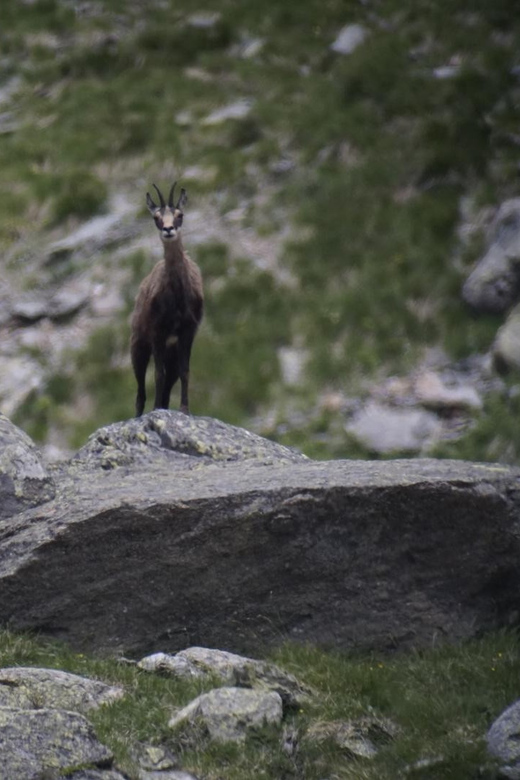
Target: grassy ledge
[[442, 701]]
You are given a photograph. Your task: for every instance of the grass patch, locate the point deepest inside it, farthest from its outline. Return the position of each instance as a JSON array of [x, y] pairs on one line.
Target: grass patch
[[441, 702]]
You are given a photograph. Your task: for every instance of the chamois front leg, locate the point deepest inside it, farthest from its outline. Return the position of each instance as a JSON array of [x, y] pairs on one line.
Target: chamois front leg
[[171, 363], [185, 344], [140, 352]]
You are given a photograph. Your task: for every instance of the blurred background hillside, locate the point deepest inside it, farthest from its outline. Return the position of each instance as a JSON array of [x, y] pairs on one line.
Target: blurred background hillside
[[344, 163]]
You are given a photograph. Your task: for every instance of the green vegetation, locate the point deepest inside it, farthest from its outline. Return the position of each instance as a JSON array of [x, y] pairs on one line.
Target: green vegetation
[[382, 153], [441, 701]]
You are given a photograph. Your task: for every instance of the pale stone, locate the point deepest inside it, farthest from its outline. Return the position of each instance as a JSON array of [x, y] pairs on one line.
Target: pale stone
[[494, 283], [230, 669], [432, 392], [238, 110], [361, 737], [228, 714], [292, 364], [349, 38], [387, 429]]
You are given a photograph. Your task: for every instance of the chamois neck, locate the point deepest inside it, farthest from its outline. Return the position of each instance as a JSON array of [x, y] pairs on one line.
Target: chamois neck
[[173, 252]]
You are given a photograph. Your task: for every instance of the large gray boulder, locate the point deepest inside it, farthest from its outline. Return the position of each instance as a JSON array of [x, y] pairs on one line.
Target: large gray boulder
[[171, 531]]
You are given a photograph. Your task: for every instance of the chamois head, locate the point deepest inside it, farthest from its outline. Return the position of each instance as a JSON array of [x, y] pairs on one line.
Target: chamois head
[[167, 217]]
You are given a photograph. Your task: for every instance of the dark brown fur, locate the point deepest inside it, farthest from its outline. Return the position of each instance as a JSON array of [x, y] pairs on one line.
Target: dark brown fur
[[167, 313]]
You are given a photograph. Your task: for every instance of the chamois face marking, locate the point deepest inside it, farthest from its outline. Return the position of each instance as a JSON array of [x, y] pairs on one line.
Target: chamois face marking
[[167, 217], [168, 222]]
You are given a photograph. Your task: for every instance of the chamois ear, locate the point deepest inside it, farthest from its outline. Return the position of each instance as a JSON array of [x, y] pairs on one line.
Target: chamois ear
[[183, 199], [152, 207]]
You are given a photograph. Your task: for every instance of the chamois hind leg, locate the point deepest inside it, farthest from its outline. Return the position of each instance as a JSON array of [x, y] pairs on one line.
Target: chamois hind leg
[[171, 364], [140, 352], [160, 376]]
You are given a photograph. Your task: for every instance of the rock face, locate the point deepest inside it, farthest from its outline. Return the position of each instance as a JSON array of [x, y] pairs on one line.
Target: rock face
[[171, 531]]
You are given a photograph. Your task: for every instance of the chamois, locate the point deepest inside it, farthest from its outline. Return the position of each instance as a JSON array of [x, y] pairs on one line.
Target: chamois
[[168, 310]]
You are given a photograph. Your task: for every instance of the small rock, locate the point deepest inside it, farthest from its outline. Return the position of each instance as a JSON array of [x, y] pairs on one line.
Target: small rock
[[290, 740], [282, 166], [59, 307], [20, 375], [349, 38], [8, 89], [446, 72], [292, 364], [99, 232], [8, 123], [29, 311], [155, 758], [494, 284], [333, 402], [384, 429], [433, 393], [506, 349], [250, 48], [66, 304], [24, 481], [229, 669], [204, 21], [226, 715], [238, 110], [200, 173], [361, 737], [184, 119]]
